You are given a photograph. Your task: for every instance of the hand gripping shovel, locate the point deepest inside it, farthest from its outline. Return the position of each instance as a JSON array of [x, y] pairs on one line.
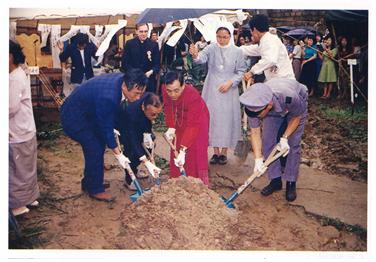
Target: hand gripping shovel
[[274, 155], [139, 190], [151, 158], [243, 146], [173, 147]]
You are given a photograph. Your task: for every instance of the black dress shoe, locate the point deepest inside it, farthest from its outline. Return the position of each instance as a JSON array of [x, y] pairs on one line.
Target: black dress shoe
[[214, 159], [274, 185], [222, 160], [290, 191]]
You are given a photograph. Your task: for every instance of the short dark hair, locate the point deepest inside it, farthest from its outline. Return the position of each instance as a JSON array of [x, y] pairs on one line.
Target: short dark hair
[[16, 51], [260, 22], [135, 78], [151, 99], [223, 28], [173, 75], [82, 39], [141, 24]]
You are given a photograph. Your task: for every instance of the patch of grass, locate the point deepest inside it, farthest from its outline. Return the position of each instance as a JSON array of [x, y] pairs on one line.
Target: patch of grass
[[30, 238], [353, 121], [161, 162], [159, 123], [49, 131], [344, 114]]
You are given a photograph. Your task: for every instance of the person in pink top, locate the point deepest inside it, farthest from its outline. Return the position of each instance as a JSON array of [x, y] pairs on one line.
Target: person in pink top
[[23, 186], [187, 119]]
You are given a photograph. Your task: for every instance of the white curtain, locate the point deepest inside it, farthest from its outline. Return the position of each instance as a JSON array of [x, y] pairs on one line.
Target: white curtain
[[150, 26], [178, 34], [12, 30], [45, 31], [165, 33], [110, 31], [55, 51]]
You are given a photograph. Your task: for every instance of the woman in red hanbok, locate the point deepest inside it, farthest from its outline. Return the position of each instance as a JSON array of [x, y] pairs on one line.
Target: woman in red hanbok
[[187, 119]]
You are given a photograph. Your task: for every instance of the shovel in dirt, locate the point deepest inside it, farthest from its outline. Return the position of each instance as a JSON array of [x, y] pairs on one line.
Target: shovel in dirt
[[139, 190], [151, 158], [274, 155], [243, 146], [173, 147]]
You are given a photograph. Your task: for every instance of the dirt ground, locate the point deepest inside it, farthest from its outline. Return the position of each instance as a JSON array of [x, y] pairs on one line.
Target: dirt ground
[[182, 214]]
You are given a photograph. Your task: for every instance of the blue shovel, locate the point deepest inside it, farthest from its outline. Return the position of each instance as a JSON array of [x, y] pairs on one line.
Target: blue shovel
[[274, 155], [173, 147], [139, 190]]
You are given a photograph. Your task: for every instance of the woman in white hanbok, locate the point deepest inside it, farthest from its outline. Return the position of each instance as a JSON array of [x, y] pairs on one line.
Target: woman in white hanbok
[[226, 67]]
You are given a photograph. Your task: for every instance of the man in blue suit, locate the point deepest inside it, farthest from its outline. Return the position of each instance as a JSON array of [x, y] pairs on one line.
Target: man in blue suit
[[87, 116], [134, 123], [80, 51]]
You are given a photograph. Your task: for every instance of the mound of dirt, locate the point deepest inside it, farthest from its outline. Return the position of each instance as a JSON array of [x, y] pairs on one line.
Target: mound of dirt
[[182, 214]]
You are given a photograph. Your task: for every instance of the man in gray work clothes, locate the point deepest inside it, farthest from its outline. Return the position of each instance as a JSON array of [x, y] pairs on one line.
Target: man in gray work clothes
[[271, 103]]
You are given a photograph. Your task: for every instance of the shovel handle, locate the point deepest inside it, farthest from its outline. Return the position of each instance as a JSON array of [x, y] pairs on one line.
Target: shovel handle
[[172, 146], [274, 155], [148, 153]]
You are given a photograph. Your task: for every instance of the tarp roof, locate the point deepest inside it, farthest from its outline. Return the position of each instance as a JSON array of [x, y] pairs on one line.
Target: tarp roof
[[357, 16]]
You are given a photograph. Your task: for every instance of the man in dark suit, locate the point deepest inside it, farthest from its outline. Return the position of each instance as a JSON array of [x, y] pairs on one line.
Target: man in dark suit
[[134, 122], [87, 116], [80, 51], [140, 52]]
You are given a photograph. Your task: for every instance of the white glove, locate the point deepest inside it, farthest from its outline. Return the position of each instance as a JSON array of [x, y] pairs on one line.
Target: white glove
[[180, 160], [116, 132], [149, 73], [148, 141], [153, 169], [283, 145], [123, 160], [170, 134], [259, 166]]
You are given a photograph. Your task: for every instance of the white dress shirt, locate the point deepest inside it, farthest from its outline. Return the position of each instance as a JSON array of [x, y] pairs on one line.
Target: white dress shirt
[[274, 60], [82, 52]]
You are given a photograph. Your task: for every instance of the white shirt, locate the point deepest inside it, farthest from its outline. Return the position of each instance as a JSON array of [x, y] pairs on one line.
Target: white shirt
[[82, 56], [297, 52], [21, 118], [274, 60]]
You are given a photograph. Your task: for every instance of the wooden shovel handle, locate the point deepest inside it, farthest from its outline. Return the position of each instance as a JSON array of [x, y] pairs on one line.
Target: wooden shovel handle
[[172, 146], [148, 153]]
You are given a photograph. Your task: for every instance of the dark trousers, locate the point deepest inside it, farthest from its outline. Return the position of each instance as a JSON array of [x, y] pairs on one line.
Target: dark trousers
[[93, 148], [152, 84]]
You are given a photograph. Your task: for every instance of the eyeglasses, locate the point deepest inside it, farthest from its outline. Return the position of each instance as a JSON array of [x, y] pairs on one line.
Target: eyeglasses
[[142, 31]]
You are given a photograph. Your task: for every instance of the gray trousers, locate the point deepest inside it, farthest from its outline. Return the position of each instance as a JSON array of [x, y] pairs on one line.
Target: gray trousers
[[23, 186], [270, 138]]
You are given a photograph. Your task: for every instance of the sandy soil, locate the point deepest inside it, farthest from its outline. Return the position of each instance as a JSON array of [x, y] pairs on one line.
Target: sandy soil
[[182, 214]]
